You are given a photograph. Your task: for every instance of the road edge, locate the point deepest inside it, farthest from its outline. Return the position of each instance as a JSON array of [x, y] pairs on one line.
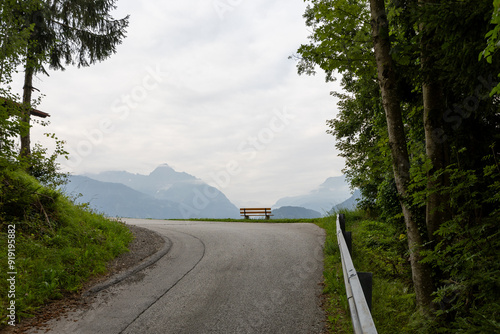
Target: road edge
[[152, 259]]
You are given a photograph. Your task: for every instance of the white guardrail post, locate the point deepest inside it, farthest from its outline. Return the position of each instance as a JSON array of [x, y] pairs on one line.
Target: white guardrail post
[[361, 316]]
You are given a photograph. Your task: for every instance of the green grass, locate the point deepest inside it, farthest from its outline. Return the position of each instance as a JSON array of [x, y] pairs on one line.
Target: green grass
[[379, 248], [57, 250], [336, 305]]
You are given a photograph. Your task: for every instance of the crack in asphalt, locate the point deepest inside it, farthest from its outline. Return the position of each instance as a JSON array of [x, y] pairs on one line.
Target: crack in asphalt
[[173, 285]]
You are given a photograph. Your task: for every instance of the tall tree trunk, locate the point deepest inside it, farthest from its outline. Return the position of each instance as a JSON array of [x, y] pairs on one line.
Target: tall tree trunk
[[27, 92], [437, 208], [421, 273]]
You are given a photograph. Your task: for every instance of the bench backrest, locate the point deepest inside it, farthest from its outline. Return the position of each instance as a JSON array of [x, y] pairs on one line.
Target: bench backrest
[[255, 211]]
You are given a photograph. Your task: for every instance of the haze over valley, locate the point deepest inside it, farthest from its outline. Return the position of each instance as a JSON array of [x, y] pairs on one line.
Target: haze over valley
[[169, 194]]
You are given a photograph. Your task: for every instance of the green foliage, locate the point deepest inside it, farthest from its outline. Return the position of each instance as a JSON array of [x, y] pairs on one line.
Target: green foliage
[[361, 135], [10, 128], [14, 41], [467, 255], [73, 32], [58, 245], [14, 37], [493, 41], [340, 39], [383, 250], [388, 203], [379, 248], [46, 168], [451, 35], [24, 200], [22, 197], [340, 42]]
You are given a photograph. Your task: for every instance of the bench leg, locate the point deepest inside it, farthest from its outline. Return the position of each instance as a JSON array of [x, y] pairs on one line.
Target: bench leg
[[267, 217], [247, 217]]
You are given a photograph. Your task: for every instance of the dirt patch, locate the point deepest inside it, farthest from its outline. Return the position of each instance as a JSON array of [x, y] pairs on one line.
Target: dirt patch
[[145, 244]]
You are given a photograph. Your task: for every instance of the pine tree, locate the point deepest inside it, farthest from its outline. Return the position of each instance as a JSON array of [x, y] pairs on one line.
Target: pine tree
[[68, 32]]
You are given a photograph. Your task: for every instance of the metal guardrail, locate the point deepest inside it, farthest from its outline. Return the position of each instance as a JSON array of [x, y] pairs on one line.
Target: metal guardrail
[[361, 316]]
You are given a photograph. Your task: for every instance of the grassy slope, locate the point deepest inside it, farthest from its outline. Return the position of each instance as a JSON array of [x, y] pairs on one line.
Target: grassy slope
[[58, 246], [336, 305], [376, 248]]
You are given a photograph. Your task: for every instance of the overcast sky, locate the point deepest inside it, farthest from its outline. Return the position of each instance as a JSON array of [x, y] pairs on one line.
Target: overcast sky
[[206, 87]]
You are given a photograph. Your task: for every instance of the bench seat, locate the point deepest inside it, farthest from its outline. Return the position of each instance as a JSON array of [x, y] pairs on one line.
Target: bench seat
[[247, 212]]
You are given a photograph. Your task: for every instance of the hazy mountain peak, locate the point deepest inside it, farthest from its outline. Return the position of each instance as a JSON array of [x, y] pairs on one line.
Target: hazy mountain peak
[[334, 182], [165, 173], [332, 191], [164, 193], [162, 169]]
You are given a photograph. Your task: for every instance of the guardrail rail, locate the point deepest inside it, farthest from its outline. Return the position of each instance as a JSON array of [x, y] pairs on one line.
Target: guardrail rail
[[361, 316]]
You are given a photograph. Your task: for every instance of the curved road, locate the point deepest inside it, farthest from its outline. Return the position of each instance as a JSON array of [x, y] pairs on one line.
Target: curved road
[[217, 278]]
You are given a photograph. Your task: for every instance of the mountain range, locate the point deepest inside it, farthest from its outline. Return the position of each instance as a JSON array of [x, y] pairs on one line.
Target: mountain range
[[163, 194], [327, 195], [168, 194]]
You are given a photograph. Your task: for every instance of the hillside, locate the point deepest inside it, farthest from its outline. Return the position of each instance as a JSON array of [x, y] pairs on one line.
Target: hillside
[[57, 246], [295, 212]]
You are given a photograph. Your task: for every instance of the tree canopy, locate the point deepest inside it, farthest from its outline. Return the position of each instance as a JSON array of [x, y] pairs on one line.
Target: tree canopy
[[447, 186]]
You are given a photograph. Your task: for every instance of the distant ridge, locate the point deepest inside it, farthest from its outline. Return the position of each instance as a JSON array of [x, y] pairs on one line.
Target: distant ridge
[[118, 200], [294, 212], [163, 194], [351, 202], [322, 199]]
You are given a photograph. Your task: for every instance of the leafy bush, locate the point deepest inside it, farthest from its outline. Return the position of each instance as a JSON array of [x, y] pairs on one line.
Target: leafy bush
[[466, 257], [27, 202], [379, 248], [44, 167], [388, 203]]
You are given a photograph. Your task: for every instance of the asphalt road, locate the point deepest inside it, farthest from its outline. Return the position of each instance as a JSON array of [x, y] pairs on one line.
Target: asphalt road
[[216, 278]]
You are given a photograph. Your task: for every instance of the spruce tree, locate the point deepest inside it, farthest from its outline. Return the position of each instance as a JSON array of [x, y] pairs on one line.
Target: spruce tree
[[68, 32]]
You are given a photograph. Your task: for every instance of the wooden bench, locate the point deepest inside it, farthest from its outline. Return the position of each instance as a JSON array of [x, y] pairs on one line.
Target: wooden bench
[[247, 212]]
